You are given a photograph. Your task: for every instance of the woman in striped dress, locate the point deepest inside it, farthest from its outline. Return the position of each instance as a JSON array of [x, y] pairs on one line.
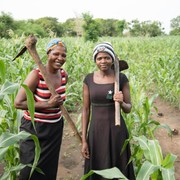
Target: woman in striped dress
[[48, 118]]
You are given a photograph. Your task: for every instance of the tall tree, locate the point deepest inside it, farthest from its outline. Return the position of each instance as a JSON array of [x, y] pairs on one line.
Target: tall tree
[[27, 27], [50, 24], [6, 24], [121, 25], [175, 25], [107, 27], [69, 27], [91, 28], [145, 28]]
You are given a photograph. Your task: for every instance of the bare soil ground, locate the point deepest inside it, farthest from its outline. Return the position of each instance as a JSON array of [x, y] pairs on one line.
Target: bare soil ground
[[71, 161], [171, 117]]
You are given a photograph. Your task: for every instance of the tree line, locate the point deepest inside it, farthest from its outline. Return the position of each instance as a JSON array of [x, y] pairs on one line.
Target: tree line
[[85, 26]]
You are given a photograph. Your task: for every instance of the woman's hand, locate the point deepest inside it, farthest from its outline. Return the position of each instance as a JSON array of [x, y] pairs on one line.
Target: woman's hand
[[118, 97], [123, 97], [55, 101], [85, 150]]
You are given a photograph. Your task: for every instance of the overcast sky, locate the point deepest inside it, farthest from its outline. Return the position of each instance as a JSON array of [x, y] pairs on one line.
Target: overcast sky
[[154, 10]]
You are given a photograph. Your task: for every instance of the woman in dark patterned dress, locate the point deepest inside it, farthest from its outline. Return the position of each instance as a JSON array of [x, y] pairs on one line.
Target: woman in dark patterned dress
[[103, 141], [48, 117]]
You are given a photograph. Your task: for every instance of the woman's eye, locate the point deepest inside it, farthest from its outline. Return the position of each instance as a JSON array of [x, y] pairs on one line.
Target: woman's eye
[[63, 55]]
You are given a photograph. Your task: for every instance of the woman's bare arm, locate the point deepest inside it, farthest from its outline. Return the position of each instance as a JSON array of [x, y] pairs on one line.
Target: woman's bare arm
[[32, 81]]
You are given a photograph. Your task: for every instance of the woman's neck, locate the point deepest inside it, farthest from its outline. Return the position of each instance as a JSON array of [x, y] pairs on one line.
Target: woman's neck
[[108, 73], [103, 77], [51, 70]]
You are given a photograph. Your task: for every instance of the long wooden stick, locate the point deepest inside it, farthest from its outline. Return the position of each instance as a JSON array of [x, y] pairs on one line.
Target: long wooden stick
[[116, 89], [31, 47]]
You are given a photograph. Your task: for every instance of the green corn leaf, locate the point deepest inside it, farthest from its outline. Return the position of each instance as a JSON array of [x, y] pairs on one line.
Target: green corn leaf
[[143, 142], [106, 173], [168, 174], [110, 173], [87, 175], [37, 153], [153, 122], [7, 173], [8, 88], [2, 71], [169, 160], [30, 103], [165, 126], [152, 150], [155, 152], [146, 170], [6, 176], [8, 139], [3, 152]]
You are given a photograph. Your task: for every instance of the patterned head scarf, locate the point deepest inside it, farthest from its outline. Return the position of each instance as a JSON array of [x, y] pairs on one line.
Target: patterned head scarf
[[53, 43], [104, 47]]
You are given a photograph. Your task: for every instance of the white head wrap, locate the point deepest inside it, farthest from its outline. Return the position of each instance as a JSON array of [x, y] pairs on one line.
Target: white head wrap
[[104, 47]]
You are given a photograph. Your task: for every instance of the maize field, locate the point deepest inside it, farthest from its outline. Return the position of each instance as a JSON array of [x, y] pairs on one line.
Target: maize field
[[154, 71]]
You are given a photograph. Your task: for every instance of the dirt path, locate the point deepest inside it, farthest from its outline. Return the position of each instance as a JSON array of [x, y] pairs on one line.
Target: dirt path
[[170, 116], [71, 161]]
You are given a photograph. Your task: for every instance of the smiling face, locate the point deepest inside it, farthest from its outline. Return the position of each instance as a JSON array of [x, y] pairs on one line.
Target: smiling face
[[104, 61], [57, 57]]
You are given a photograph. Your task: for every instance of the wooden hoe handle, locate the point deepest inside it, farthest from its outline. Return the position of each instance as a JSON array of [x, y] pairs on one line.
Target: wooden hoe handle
[[31, 47], [116, 89]]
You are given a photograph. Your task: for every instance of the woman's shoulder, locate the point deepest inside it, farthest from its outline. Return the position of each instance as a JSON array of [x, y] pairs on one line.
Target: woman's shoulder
[[122, 75], [123, 78], [88, 77], [35, 72], [32, 78], [89, 74]]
